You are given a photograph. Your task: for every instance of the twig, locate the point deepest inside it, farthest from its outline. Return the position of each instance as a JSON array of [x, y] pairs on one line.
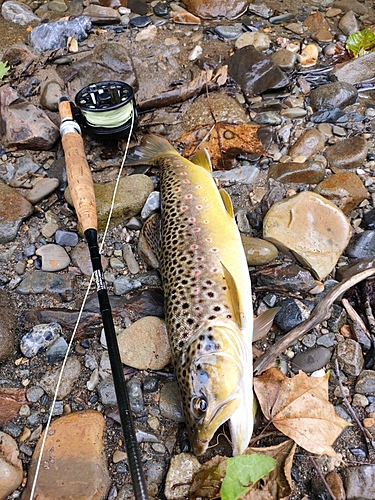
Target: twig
[[365, 432], [357, 320], [315, 465], [370, 316], [320, 313]]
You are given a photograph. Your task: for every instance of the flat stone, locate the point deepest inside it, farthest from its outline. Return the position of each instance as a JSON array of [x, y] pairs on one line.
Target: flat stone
[[170, 402], [7, 325], [101, 15], [18, 13], [318, 27], [14, 209], [362, 245], [259, 40], [310, 143], [11, 473], [42, 189], [311, 359], [180, 475], [333, 95], [310, 172], [348, 153], [75, 454], [23, 125], [344, 189], [258, 252], [311, 227], [71, 374], [45, 282], [144, 344], [359, 482], [353, 5], [350, 357], [212, 9], [54, 257], [80, 256], [132, 194], [66, 238], [356, 70], [285, 59], [366, 383], [348, 24], [288, 276]]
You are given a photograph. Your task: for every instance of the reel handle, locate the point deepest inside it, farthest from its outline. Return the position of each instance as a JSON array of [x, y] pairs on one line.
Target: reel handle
[[78, 171]]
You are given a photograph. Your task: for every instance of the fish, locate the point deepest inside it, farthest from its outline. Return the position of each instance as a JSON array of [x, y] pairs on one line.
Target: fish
[[207, 294]]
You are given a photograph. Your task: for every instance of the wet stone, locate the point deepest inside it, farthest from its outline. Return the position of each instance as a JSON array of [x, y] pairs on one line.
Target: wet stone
[[348, 153], [310, 172], [161, 9], [170, 402], [366, 383], [292, 312], [258, 252], [124, 285], [344, 189], [54, 257], [246, 174], [368, 220], [350, 357], [267, 118], [285, 59], [140, 21], [362, 246], [310, 143], [311, 360], [290, 277], [66, 238], [333, 95], [356, 70], [7, 325], [134, 387], [80, 256], [38, 338], [152, 205], [337, 319], [229, 32]]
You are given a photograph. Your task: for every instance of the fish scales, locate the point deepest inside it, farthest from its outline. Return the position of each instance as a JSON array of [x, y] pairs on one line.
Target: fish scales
[[208, 303]]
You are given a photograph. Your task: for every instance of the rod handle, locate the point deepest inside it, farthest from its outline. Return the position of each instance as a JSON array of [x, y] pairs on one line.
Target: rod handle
[[78, 172]]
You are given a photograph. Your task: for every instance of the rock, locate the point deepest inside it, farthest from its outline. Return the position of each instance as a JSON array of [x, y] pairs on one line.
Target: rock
[[348, 153], [80, 256], [14, 209], [23, 125], [71, 374], [353, 5], [54, 257], [38, 338], [51, 94], [18, 13], [42, 189], [66, 238], [212, 9], [130, 259], [309, 55], [255, 72], [362, 246], [333, 95], [285, 59], [292, 312], [170, 402], [44, 282], [229, 32], [131, 195], [107, 392], [289, 277], [57, 350], [152, 205], [359, 482], [334, 481], [180, 475], [348, 24], [318, 27], [356, 70], [144, 344], [52, 36], [243, 175], [344, 189], [366, 383], [310, 143], [349, 356], [11, 473], [77, 463], [109, 58], [99, 14], [368, 220], [124, 285], [258, 252], [134, 388], [310, 227], [259, 40], [311, 360], [7, 325], [310, 172]]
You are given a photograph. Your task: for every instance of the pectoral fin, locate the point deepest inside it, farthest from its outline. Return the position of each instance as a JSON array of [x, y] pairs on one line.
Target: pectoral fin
[[149, 241], [263, 323], [234, 297]]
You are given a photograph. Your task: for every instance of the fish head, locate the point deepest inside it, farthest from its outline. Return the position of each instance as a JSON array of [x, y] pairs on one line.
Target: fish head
[[217, 386]]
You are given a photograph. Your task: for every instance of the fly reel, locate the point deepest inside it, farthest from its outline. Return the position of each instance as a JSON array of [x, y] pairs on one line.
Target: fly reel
[[108, 109]]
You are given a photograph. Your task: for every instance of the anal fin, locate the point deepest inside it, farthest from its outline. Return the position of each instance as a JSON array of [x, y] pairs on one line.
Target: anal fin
[[149, 241]]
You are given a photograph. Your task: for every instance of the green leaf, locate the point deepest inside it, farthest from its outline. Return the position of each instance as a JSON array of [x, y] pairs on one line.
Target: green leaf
[[360, 42], [243, 472], [4, 69]]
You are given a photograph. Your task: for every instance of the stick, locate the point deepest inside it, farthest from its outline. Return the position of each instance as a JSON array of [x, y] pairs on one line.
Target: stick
[[83, 196], [320, 313]]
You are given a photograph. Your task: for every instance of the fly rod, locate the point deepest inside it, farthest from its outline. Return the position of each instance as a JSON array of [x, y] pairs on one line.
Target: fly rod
[[82, 192]]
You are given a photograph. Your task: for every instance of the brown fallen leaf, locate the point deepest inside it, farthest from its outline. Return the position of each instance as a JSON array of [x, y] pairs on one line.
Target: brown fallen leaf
[[224, 141], [207, 481], [302, 410], [267, 388], [279, 479], [11, 400]]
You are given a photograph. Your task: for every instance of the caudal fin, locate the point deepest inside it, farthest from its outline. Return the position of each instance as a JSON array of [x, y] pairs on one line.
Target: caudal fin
[[152, 147]]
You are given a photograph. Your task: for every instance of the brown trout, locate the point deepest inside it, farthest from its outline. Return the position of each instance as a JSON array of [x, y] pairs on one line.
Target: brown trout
[[208, 301]]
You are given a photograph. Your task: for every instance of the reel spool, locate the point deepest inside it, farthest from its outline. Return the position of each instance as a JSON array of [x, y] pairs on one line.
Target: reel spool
[[108, 109]]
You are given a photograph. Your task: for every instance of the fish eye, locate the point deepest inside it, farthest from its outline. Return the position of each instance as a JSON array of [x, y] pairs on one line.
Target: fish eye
[[199, 406]]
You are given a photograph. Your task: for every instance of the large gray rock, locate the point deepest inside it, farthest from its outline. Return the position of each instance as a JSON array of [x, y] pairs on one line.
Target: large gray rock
[[52, 36], [23, 125], [356, 70]]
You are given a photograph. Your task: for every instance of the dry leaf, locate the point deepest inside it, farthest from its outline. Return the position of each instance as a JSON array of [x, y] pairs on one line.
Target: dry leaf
[[267, 388], [281, 477], [224, 141], [207, 481], [11, 400], [302, 410]]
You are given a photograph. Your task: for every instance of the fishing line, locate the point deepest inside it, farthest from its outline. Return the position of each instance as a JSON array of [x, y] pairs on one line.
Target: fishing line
[[50, 414]]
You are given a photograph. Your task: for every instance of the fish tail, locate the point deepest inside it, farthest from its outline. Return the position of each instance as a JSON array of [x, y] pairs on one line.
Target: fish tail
[[152, 147]]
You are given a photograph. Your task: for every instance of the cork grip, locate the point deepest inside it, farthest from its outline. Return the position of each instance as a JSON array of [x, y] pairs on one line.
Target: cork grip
[[80, 180]]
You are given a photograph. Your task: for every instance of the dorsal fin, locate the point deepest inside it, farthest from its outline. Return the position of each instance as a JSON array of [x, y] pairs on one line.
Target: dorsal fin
[[202, 158], [263, 323], [233, 296], [227, 202]]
